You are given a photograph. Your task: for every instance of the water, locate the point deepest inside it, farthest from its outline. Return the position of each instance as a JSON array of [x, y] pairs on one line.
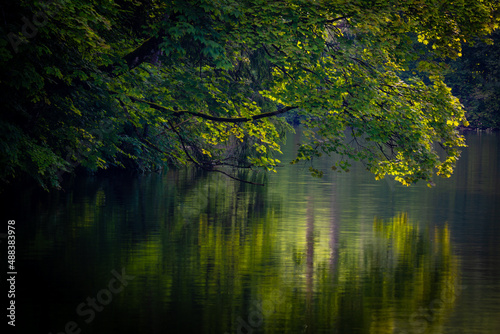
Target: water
[[196, 252]]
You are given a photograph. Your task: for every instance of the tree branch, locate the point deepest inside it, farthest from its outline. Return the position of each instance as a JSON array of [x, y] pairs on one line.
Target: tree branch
[[203, 166], [147, 52], [234, 178], [214, 118], [183, 146]]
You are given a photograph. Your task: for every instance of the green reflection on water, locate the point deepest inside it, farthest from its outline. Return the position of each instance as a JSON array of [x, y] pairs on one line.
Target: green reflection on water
[[216, 256], [301, 255], [396, 277]]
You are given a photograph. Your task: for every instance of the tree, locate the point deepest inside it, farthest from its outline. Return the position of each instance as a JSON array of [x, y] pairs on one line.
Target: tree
[[149, 85], [474, 79]]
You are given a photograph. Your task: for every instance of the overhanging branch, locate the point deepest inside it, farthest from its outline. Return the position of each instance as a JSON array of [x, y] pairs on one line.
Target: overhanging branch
[[211, 169], [214, 118]]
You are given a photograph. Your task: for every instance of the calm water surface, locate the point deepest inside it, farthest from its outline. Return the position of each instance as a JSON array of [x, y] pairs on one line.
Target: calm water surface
[[191, 252]]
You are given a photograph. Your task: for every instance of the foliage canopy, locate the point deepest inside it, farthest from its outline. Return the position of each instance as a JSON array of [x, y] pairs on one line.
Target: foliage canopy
[[146, 85], [475, 80]]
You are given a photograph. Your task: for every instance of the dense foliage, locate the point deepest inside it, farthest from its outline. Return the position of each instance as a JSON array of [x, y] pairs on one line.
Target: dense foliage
[[475, 80], [146, 85]]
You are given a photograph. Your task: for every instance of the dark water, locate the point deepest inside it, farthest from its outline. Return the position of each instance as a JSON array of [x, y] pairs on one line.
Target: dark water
[[191, 252]]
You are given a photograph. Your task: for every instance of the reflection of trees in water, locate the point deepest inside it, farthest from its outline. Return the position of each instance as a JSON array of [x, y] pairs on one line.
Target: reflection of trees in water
[[310, 266], [398, 278], [411, 272], [231, 257], [218, 197]]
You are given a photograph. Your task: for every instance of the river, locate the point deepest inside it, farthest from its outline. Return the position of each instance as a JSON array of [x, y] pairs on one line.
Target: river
[[195, 252]]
